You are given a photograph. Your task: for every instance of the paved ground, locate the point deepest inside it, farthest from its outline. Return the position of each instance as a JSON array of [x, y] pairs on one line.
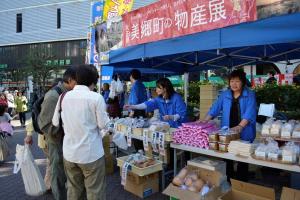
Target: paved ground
[[12, 187]]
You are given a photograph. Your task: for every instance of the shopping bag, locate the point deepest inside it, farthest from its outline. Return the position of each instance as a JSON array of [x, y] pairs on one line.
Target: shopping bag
[[4, 150], [120, 141], [119, 86], [31, 175]]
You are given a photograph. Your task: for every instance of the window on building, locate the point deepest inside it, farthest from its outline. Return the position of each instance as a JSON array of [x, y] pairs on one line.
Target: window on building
[[19, 23], [58, 18]]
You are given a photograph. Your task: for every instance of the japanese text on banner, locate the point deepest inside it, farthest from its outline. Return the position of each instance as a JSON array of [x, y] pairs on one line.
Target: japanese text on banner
[[168, 19]]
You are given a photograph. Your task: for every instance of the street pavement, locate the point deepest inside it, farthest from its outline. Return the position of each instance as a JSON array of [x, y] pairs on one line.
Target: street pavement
[[12, 187]]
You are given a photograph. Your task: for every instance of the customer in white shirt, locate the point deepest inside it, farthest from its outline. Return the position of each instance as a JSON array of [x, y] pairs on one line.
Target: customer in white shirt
[[84, 116]]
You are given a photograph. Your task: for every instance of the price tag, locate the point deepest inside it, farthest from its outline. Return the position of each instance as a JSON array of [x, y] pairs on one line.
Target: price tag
[[153, 142], [288, 158], [145, 139], [260, 154], [273, 156], [124, 173], [161, 143], [129, 136]]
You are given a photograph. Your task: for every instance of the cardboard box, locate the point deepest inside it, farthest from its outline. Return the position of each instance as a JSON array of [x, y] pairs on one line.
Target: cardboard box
[[209, 164], [137, 132], [290, 194], [247, 191], [140, 171], [214, 178], [142, 186]]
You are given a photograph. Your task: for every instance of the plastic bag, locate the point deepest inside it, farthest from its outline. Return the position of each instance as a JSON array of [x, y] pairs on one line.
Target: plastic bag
[[120, 141], [32, 178], [4, 150], [119, 86]]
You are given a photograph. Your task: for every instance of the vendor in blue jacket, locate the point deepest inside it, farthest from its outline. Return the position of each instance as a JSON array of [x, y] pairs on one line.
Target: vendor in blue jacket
[[170, 104], [238, 106]]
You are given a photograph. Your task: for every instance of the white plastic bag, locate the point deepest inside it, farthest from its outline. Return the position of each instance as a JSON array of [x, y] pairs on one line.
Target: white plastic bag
[[120, 87], [120, 141], [32, 178]]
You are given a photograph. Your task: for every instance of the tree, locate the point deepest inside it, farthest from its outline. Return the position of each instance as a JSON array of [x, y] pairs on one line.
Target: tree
[[39, 64]]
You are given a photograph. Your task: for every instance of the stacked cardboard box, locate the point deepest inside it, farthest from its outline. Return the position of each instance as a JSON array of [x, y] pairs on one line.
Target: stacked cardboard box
[[142, 186], [208, 94], [142, 182]]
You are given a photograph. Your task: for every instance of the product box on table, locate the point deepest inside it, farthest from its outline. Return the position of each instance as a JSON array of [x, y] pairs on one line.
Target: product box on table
[[214, 178], [209, 164], [140, 171], [290, 194], [247, 191], [137, 132], [122, 128]]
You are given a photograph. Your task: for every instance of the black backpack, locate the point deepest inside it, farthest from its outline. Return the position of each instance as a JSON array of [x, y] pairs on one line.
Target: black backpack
[[36, 109]]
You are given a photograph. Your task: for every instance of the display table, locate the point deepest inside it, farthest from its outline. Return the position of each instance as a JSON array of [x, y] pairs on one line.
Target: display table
[[229, 156]]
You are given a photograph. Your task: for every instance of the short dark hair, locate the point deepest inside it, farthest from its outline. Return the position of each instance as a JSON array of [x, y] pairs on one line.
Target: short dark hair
[[87, 75], [238, 74], [105, 86], [136, 74], [70, 73], [166, 84], [272, 73]]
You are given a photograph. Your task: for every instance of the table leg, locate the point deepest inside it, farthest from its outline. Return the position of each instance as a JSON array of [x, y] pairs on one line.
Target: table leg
[[175, 162]]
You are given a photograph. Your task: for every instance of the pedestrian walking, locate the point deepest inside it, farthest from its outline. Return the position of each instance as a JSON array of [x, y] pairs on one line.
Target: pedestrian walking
[[21, 107]]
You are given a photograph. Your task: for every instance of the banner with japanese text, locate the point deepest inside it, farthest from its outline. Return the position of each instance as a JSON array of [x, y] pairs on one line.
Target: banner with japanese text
[[114, 8], [172, 18]]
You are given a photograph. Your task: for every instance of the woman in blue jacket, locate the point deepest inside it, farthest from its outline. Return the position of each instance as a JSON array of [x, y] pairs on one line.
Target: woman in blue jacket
[[170, 104], [238, 106]]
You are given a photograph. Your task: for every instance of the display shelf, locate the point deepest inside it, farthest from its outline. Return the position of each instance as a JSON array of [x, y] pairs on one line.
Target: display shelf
[[229, 156]]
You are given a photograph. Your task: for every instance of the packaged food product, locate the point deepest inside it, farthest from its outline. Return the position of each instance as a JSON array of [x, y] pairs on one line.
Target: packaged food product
[[213, 137], [213, 146], [290, 153], [223, 147], [276, 128], [296, 131], [266, 127], [287, 129]]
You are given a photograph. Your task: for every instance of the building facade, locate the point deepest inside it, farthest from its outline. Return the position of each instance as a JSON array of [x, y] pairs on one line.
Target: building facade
[[58, 26]]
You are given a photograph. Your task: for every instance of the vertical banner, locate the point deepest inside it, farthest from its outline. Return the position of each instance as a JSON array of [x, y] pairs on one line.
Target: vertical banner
[[173, 18], [114, 8], [96, 17]]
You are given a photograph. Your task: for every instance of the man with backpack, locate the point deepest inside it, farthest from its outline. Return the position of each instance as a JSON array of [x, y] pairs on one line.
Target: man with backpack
[[32, 126], [54, 135]]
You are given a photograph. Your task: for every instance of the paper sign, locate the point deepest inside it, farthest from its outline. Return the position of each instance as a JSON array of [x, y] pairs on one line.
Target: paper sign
[[129, 136], [161, 143], [124, 173], [145, 140], [153, 142], [266, 109]]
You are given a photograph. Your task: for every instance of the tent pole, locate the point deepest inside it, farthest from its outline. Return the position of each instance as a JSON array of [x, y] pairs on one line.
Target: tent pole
[[186, 85]]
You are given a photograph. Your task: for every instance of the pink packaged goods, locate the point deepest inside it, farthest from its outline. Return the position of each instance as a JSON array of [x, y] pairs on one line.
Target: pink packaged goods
[[194, 134]]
